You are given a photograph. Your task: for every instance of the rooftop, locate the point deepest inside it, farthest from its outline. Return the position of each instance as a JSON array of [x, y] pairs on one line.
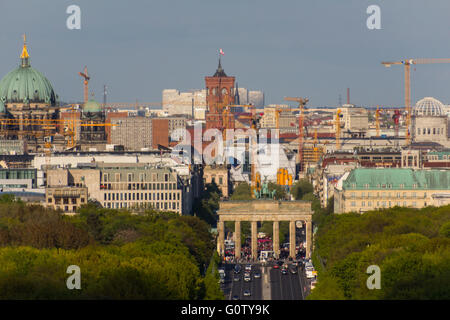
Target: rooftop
[[397, 178]]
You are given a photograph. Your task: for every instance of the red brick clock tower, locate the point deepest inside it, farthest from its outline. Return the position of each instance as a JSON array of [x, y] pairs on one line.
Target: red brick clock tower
[[219, 93]]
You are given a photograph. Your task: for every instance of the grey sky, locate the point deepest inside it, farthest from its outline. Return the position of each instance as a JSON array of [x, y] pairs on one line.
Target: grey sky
[[286, 48]]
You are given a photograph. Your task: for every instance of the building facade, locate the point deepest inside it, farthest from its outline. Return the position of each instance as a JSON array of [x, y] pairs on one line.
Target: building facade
[[122, 186], [366, 189], [134, 133], [218, 175]]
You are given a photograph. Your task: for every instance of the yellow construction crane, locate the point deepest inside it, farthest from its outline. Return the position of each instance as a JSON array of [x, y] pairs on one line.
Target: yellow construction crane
[[407, 63], [279, 110], [253, 146], [301, 105], [45, 127], [316, 149]]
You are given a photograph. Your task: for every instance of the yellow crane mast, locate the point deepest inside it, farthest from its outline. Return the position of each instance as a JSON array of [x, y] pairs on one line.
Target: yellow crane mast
[[407, 63]]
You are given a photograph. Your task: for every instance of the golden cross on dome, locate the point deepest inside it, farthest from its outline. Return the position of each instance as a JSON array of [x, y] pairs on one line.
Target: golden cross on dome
[[24, 50]]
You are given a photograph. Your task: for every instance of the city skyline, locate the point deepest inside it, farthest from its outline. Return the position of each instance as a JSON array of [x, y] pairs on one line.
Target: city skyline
[[294, 49]]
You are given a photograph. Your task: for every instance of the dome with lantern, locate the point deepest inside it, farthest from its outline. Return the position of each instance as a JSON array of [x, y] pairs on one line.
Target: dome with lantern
[[429, 106]]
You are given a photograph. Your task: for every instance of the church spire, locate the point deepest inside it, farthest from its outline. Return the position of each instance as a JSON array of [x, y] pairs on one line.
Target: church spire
[[25, 56], [219, 71], [237, 100]]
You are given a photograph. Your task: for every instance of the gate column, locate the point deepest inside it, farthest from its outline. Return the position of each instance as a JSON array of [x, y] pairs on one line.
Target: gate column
[[254, 240], [237, 240], [276, 239], [308, 238], [221, 240], [292, 239]]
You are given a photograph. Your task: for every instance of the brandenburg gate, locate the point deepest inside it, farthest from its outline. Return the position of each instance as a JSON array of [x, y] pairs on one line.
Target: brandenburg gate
[[264, 210]]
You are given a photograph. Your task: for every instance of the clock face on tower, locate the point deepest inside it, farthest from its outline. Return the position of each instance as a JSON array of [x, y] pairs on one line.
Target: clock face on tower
[[224, 91]]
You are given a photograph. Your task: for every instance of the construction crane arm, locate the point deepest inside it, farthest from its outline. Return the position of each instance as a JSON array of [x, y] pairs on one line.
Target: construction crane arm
[[416, 61]]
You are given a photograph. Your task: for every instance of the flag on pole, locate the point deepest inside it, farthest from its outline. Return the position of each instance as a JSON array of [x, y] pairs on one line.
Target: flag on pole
[[221, 52]]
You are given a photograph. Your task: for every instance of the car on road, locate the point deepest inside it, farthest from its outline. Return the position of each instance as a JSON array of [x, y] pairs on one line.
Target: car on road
[[309, 272], [248, 267], [235, 297], [237, 268], [247, 278], [313, 284], [276, 266], [247, 293], [284, 271], [257, 275], [295, 263], [237, 279], [293, 270]]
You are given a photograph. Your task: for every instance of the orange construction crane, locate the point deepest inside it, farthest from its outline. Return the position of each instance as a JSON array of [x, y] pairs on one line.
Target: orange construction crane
[[301, 105], [407, 63], [85, 83]]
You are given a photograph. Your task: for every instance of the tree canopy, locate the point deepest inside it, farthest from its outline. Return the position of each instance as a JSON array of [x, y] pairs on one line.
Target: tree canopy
[[242, 192], [300, 188], [411, 247], [153, 255]]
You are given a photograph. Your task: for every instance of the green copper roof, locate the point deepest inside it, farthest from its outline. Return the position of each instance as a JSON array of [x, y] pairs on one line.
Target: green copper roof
[[26, 85], [92, 106], [2, 107], [397, 178]]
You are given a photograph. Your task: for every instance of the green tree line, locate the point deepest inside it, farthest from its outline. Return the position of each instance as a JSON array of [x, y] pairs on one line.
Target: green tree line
[[153, 255], [411, 247]]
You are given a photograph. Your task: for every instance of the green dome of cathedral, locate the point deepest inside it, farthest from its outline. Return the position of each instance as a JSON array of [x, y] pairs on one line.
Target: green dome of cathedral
[[92, 106], [26, 85]]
